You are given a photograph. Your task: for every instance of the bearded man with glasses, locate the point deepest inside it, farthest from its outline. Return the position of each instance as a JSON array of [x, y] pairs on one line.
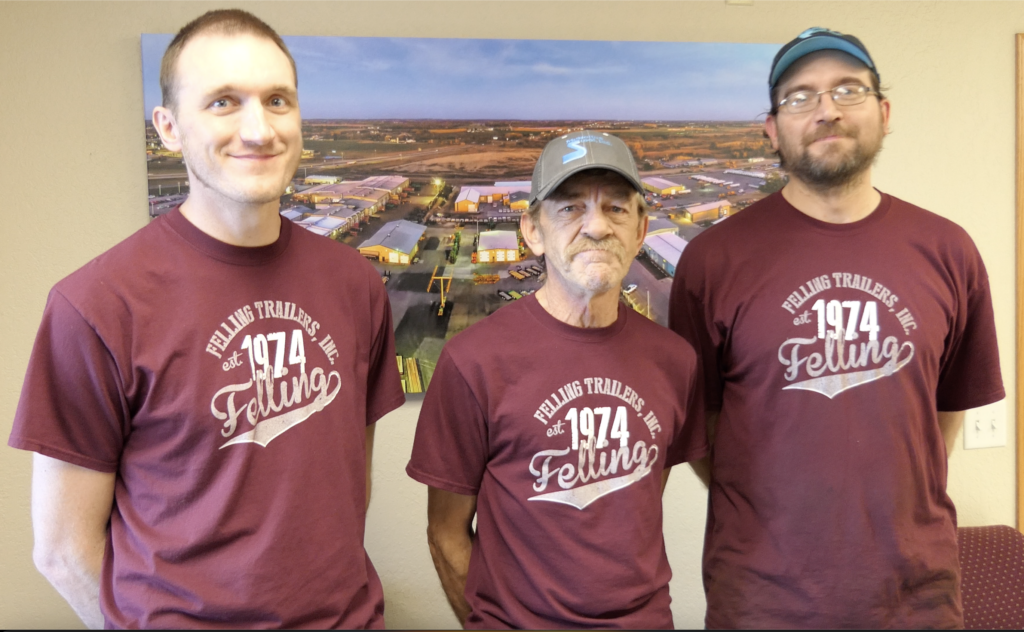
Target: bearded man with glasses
[[842, 333]]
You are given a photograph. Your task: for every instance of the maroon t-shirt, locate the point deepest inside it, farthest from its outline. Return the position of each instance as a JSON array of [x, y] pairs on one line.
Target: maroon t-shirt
[[229, 390], [562, 433], [828, 349]]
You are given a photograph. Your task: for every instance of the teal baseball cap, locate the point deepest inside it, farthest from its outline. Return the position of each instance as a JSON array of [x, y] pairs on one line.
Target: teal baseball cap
[[815, 39]]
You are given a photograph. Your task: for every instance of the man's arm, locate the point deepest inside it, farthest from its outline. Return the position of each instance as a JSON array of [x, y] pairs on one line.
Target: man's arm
[[702, 467], [70, 517], [369, 461], [950, 424], [664, 479], [450, 537]]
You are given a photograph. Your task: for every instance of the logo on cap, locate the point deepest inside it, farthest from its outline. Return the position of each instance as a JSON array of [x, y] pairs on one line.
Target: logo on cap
[[580, 150]]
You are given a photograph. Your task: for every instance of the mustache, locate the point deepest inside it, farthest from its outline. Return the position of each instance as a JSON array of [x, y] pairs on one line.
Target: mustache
[[586, 243], [829, 129]]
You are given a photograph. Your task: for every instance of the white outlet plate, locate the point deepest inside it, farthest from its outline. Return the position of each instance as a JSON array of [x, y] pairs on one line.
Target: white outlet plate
[[985, 427]]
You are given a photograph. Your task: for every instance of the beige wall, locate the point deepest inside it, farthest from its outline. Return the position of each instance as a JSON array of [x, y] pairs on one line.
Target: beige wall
[[71, 113]]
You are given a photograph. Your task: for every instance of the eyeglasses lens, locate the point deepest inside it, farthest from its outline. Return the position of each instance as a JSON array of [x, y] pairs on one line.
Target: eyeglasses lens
[[806, 100]]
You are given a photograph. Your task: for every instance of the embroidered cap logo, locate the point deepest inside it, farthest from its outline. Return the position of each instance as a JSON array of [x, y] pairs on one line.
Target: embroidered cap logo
[[579, 150]]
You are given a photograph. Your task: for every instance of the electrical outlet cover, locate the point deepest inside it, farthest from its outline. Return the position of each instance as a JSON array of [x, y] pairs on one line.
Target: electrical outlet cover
[[985, 427]]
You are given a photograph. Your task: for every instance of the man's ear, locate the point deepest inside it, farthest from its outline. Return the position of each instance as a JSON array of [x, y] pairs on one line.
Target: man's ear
[[531, 233], [772, 130], [167, 127], [642, 228]]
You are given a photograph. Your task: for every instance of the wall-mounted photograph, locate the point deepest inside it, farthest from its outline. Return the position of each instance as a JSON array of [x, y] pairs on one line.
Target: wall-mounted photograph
[[419, 153]]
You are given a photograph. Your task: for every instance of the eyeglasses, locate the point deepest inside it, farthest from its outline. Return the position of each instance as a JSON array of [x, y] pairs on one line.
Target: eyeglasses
[[807, 100]]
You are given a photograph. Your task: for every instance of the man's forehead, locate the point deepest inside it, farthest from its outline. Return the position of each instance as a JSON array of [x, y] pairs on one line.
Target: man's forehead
[[823, 63], [215, 57], [583, 184]]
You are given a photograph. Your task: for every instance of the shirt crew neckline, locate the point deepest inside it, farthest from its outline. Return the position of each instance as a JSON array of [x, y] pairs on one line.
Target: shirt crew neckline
[[565, 330], [224, 252], [876, 216]]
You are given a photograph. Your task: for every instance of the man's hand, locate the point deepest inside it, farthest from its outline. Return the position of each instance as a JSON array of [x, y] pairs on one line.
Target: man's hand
[[950, 424], [450, 537], [70, 517]]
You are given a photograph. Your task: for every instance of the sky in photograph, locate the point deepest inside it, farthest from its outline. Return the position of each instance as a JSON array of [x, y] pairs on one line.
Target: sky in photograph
[[478, 79]]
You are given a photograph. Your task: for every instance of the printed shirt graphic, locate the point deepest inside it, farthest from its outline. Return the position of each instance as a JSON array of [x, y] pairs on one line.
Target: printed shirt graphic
[[229, 389], [603, 456], [828, 348], [847, 348], [562, 433], [278, 393]]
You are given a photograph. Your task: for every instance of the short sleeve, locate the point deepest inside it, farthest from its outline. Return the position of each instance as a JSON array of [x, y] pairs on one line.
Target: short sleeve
[[691, 442], [72, 405], [970, 375], [450, 451], [689, 317], [383, 383]]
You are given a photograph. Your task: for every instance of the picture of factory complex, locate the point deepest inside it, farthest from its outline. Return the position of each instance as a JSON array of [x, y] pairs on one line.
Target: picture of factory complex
[[403, 161]]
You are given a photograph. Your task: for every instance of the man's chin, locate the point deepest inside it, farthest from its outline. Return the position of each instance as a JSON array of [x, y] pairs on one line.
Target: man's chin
[[258, 195], [598, 281], [828, 154]]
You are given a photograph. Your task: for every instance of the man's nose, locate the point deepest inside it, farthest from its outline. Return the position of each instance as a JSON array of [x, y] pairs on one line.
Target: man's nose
[[827, 109], [255, 128], [595, 222]]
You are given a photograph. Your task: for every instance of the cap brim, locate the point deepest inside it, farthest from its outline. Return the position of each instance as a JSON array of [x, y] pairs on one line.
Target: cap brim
[[812, 45], [545, 192]]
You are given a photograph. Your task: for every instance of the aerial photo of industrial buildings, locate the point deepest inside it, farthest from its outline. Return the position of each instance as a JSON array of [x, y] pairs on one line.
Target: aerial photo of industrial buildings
[[429, 171]]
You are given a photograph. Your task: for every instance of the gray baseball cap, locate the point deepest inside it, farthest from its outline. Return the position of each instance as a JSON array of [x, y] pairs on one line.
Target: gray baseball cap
[[579, 151]]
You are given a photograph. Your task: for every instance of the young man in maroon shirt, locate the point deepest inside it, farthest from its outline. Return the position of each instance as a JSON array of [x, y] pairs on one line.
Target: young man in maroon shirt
[[201, 406], [556, 419], [842, 333]]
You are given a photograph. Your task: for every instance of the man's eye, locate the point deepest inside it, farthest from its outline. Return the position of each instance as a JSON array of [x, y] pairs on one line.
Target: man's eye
[[618, 209], [567, 209], [220, 104], [797, 98], [278, 102]]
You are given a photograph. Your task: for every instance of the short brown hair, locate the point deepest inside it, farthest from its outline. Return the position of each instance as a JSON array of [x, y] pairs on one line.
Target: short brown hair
[[222, 22]]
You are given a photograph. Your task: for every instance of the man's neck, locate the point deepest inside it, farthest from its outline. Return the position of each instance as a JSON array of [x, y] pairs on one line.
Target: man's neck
[[578, 309], [247, 225], [836, 205]]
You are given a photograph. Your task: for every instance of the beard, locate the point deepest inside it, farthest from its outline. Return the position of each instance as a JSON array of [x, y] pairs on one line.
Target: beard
[[835, 169]]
